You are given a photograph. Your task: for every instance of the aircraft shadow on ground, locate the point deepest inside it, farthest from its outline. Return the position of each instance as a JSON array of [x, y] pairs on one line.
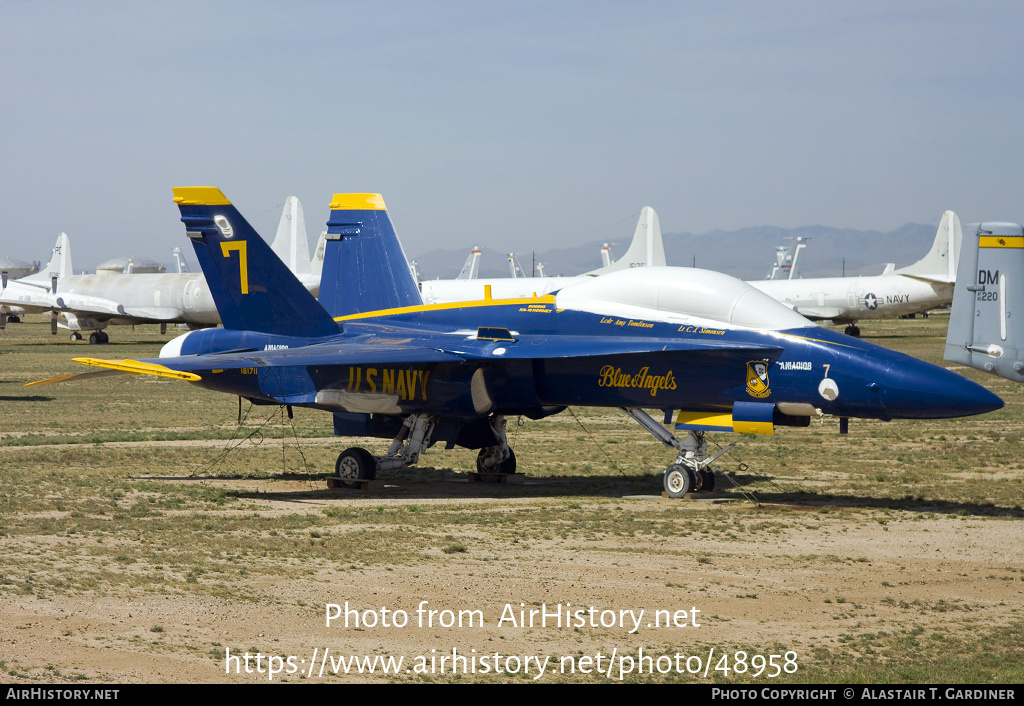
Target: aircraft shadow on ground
[[454, 486]]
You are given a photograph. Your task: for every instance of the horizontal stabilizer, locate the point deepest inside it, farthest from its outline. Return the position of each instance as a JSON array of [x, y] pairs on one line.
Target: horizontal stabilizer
[[135, 367], [91, 375]]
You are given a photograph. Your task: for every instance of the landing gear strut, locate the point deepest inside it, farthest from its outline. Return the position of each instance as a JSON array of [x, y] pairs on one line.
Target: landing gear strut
[[356, 464], [498, 458], [692, 469]]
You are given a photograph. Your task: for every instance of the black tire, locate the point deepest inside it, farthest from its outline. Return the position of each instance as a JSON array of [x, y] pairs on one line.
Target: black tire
[[707, 481], [94, 338], [355, 464], [678, 480], [506, 466]]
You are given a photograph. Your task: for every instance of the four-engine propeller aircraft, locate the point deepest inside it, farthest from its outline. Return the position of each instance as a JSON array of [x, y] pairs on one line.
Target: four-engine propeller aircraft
[[982, 330], [924, 285], [726, 355]]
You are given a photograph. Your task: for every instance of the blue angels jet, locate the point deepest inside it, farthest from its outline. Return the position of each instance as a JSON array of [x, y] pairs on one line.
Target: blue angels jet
[[724, 355]]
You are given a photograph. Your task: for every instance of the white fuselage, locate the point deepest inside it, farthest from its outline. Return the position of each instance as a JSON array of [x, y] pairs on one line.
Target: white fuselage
[[90, 302], [850, 299]]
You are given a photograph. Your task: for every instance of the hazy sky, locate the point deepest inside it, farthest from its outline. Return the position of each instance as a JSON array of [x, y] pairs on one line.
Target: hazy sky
[[513, 125]]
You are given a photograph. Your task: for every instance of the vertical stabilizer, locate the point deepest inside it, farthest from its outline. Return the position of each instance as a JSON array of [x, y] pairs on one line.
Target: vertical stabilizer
[[59, 265], [983, 333], [787, 264], [939, 265], [365, 268], [291, 244], [316, 264], [252, 288], [514, 268], [472, 267], [647, 248]]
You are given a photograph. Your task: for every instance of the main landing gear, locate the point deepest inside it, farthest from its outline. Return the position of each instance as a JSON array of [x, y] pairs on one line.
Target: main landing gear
[[692, 470], [97, 337], [356, 464], [852, 330]]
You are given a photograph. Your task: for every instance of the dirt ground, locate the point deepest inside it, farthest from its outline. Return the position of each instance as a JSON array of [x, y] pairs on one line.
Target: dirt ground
[[766, 580]]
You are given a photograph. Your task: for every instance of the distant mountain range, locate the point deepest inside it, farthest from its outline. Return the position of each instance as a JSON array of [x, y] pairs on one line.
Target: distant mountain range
[[748, 253]]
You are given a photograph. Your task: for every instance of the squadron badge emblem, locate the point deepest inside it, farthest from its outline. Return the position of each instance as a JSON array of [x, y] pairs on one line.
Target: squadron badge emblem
[[757, 379]]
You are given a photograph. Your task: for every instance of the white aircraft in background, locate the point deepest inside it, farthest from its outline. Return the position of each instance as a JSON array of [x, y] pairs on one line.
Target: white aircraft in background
[[93, 302], [982, 331], [926, 284], [787, 265], [646, 250]]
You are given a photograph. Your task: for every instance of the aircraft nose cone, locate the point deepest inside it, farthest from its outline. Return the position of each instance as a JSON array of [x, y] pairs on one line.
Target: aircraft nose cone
[[918, 390]]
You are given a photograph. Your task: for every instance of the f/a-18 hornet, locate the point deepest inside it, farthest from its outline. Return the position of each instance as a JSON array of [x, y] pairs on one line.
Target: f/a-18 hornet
[[723, 355]]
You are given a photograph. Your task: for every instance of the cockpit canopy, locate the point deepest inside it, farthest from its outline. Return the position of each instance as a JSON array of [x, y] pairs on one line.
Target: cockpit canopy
[[680, 294]]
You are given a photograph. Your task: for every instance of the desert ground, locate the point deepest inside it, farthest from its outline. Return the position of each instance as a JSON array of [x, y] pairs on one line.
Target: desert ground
[[148, 537]]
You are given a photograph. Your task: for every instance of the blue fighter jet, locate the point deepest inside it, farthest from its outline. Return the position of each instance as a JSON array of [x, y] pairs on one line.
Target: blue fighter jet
[[720, 353]]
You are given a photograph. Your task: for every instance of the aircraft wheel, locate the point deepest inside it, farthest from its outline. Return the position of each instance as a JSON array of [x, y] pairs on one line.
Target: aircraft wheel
[[355, 464], [707, 481], [14, 319], [104, 338], [506, 466], [94, 337], [76, 336], [678, 480]]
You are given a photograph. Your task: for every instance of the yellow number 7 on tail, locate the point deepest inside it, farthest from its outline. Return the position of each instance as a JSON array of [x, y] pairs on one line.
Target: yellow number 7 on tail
[[243, 263]]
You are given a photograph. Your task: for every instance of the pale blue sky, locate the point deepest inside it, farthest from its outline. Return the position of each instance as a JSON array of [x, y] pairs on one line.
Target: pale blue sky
[[513, 125]]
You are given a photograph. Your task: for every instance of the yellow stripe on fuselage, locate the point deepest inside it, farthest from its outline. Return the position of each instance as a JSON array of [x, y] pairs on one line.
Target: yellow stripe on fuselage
[[1001, 241], [199, 196], [139, 368], [816, 340], [546, 299], [358, 202]]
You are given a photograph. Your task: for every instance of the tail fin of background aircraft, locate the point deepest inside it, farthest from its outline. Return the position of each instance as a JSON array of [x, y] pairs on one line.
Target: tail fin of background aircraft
[[472, 266], [939, 265], [365, 268], [316, 265], [253, 289], [291, 244], [59, 265], [647, 248], [788, 260], [990, 282]]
